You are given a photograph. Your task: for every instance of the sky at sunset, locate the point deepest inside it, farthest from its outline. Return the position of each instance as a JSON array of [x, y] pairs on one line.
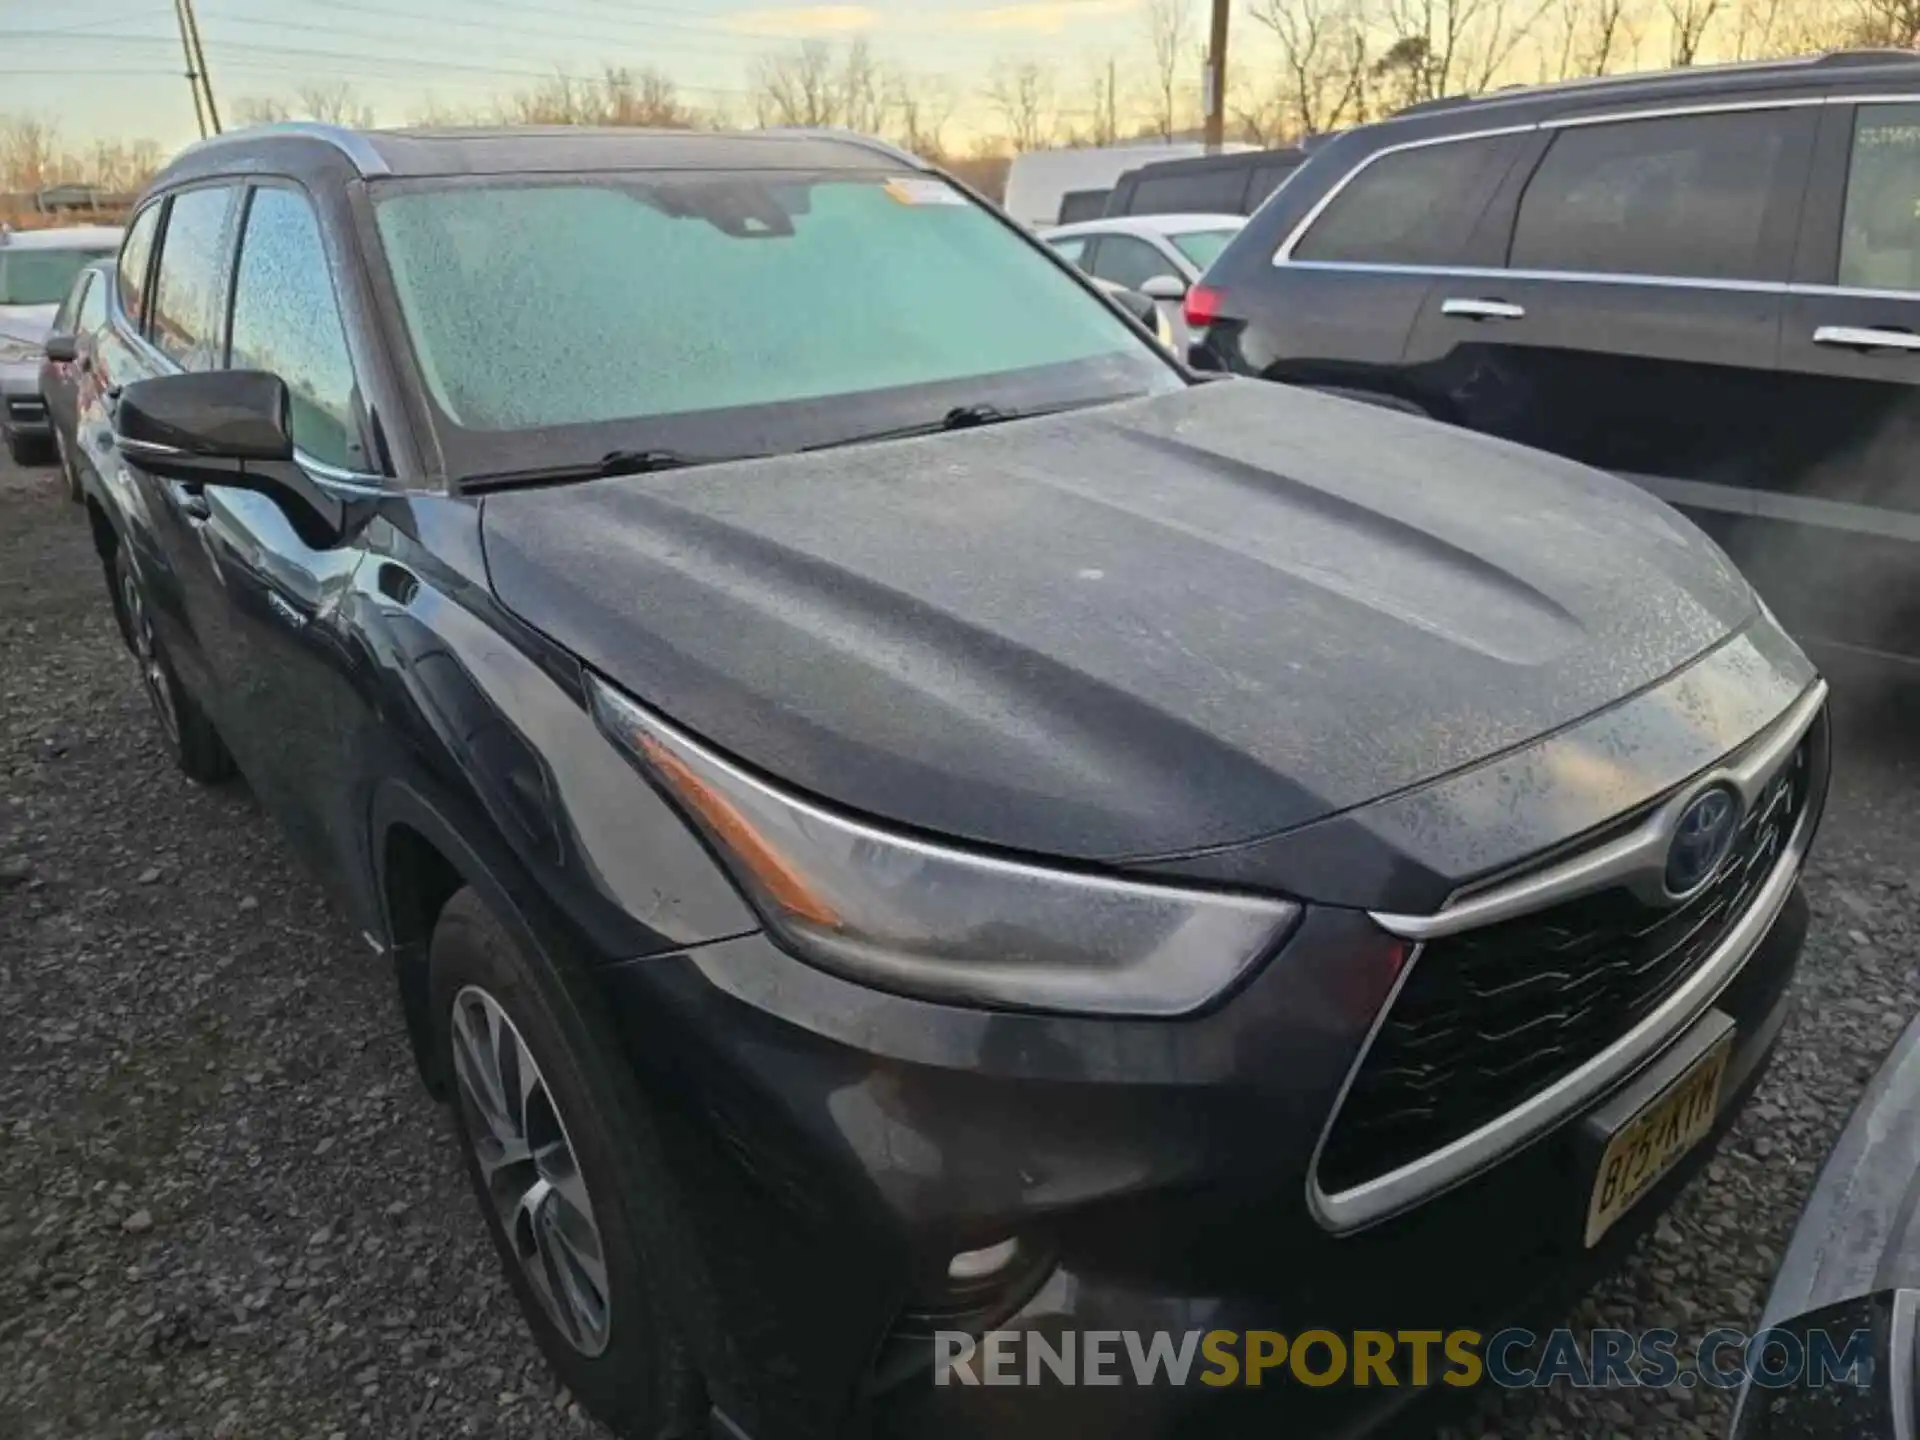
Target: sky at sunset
[[107, 69]]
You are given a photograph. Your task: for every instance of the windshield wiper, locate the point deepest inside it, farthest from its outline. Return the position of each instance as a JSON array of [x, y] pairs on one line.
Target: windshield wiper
[[965, 417], [614, 462]]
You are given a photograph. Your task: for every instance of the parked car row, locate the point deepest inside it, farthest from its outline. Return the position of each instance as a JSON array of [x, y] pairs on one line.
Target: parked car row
[[1707, 281], [869, 806], [37, 270]]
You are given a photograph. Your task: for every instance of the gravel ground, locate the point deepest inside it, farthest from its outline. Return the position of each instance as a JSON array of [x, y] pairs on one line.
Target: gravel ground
[[227, 1210]]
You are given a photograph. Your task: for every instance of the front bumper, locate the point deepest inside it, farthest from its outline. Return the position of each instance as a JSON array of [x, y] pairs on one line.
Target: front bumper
[[22, 411], [841, 1144]]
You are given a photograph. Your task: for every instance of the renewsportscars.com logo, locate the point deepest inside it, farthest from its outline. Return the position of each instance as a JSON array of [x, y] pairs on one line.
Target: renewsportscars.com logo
[[1514, 1359]]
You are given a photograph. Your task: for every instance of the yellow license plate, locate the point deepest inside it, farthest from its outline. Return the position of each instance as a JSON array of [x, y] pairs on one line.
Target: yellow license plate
[[1647, 1146]]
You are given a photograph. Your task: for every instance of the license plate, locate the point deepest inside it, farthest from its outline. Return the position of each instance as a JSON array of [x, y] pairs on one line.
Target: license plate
[[1648, 1145]]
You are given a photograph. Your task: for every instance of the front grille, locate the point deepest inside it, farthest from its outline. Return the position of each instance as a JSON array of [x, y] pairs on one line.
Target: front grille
[[1491, 1016]]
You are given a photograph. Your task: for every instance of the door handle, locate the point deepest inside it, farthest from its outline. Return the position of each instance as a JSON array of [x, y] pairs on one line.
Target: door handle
[[1858, 337], [1483, 309], [189, 500]]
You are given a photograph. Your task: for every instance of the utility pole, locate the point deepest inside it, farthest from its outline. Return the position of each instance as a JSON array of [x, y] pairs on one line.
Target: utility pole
[[193, 71], [1215, 90], [1113, 119], [200, 64]]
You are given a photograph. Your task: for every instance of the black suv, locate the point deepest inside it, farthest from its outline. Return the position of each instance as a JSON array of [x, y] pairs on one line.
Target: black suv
[[1705, 280], [1236, 184], [892, 808]]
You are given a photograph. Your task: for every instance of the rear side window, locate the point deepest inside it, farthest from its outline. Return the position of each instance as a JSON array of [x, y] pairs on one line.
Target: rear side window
[[1130, 262], [1403, 209], [134, 255], [1880, 230], [1078, 205], [1073, 248], [286, 319], [1266, 180], [187, 282], [1217, 191], [1683, 197]]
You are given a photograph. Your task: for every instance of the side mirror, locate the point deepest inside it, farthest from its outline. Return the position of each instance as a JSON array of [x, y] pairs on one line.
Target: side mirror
[[225, 427], [1137, 305], [62, 349], [205, 426], [1165, 287]]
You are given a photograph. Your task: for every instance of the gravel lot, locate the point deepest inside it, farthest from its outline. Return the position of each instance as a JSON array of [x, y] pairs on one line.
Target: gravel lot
[[227, 1210]]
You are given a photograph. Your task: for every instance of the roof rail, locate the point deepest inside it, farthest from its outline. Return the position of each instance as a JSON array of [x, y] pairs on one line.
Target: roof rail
[[1885, 55], [350, 143], [852, 137]]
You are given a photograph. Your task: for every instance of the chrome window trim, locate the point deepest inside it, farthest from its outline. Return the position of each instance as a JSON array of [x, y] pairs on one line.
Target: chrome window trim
[[1641, 851], [1468, 1155], [1284, 255], [1572, 277], [347, 482]]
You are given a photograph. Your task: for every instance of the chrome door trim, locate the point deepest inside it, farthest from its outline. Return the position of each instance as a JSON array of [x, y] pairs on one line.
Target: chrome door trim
[[1866, 337]]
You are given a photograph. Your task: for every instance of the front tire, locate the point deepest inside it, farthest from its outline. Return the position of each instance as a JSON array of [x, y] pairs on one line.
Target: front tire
[[569, 1175], [189, 736]]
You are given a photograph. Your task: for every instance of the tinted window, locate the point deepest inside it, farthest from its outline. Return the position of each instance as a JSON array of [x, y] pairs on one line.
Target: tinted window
[[1202, 247], [1216, 191], [286, 319], [134, 254], [527, 308], [1402, 209], [1266, 180], [187, 281], [1078, 205], [93, 307], [1880, 234], [36, 275], [1684, 196], [1073, 247], [1129, 262]]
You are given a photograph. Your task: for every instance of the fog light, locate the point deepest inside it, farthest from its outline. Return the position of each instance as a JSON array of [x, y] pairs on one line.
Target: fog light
[[980, 1264]]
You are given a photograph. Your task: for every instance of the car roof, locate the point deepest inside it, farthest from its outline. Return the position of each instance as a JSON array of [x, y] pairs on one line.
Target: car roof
[[1153, 224], [65, 237], [1235, 160], [1854, 68], [524, 150]]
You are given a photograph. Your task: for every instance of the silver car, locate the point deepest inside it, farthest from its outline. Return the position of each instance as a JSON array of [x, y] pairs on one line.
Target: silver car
[[1161, 256], [37, 270]]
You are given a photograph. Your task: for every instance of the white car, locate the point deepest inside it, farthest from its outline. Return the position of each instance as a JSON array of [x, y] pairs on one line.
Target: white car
[[1159, 255], [37, 269]]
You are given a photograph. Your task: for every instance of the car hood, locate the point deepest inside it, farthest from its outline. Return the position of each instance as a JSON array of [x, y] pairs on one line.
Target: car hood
[[1132, 631], [32, 323]]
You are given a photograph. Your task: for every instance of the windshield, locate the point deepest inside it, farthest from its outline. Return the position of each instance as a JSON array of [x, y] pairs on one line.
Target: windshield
[[40, 276], [1203, 247], [715, 300]]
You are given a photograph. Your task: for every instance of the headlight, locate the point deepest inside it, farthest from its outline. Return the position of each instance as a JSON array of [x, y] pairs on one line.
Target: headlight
[[908, 915], [14, 350]]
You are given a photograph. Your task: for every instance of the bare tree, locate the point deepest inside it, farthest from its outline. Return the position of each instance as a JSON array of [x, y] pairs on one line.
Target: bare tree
[[29, 153], [1023, 95], [1688, 21], [259, 110], [1103, 102], [863, 91], [1892, 23], [646, 98], [1452, 47], [800, 86], [921, 109], [334, 104], [1591, 36], [1170, 28], [1323, 59]]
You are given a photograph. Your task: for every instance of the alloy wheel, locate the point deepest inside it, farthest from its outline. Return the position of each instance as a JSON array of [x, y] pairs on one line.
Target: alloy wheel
[[532, 1174], [146, 650]]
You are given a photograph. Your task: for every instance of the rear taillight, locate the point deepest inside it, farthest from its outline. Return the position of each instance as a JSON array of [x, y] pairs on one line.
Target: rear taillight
[[1203, 306]]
